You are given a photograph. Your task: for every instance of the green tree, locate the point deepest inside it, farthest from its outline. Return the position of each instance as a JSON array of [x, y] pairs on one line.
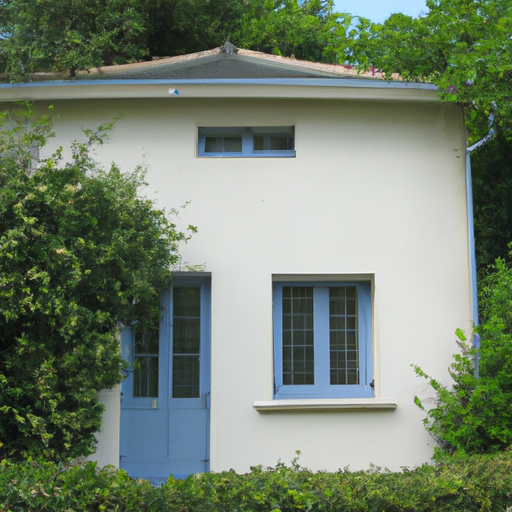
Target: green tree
[[185, 26], [305, 29], [80, 254], [69, 35], [72, 35], [463, 46], [492, 183]]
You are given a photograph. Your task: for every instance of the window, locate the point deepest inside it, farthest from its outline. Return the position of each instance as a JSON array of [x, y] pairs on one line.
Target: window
[[323, 340], [263, 141]]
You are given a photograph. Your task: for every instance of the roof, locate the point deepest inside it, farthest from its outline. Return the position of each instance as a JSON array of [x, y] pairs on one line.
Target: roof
[[216, 63], [221, 72]]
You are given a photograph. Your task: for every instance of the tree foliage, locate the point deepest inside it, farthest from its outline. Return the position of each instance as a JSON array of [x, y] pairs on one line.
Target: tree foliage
[[492, 183], [80, 253], [306, 30], [463, 46], [178, 27], [68, 35], [37, 35], [475, 415]]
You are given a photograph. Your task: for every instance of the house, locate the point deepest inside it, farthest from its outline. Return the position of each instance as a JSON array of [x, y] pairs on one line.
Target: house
[[334, 250]]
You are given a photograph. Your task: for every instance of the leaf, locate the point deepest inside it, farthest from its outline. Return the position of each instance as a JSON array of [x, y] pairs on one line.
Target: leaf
[[417, 401], [461, 335]]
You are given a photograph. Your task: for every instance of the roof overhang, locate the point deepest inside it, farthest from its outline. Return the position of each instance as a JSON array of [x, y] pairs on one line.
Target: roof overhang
[[290, 88]]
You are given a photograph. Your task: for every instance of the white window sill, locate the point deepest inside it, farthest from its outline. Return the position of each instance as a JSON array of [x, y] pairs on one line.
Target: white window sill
[[327, 404]]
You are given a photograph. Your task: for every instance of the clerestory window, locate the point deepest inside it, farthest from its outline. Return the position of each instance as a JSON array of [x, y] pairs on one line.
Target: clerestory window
[[246, 142]]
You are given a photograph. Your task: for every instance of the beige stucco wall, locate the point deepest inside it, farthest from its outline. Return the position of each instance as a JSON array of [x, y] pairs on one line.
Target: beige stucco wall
[[376, 188], [107, 448]]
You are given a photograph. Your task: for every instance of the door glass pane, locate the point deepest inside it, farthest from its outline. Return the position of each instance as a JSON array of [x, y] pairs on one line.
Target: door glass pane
[[186, 335], [344, 339], [185, 377], [298, 337], [145, 372], [186, 341]]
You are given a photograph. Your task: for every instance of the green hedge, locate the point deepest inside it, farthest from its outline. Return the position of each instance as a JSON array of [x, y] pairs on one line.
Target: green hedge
[[479, 483]]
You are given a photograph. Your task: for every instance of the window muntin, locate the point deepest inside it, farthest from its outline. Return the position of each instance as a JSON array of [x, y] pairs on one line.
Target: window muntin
[[246, 142], [323, 340]]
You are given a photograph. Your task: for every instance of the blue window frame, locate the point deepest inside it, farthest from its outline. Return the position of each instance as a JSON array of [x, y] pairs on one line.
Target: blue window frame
[[323, 340], [246, 142]]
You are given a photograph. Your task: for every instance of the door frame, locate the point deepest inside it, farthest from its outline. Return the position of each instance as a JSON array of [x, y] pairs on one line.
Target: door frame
[[164, 399]]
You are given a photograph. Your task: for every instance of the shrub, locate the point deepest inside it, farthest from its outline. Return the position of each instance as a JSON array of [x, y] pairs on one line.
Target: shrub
[[479, 483], [80, 253]]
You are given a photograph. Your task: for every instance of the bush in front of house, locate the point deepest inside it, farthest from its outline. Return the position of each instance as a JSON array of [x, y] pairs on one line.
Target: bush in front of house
[[478, 483], [81, 252]]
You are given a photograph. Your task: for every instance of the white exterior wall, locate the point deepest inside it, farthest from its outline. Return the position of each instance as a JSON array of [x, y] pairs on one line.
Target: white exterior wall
[[376, 188], [107, 448]]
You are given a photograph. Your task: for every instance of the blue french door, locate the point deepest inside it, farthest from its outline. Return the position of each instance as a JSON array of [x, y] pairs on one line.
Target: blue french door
[[165, 400]]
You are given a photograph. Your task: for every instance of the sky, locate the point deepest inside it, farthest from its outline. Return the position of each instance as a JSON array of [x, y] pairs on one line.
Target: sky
[[379, 10]]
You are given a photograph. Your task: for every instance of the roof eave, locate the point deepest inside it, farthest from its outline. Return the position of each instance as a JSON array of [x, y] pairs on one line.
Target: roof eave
[[290, 88]]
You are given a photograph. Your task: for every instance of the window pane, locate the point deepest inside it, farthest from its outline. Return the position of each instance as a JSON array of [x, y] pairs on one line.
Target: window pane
[[281, 143], [298, 335], [185, 377], [223, 144], [146, 341], [278, 142], [145, 371], [186, 302], [259, 143], [145, 376], [186, 342], [344, 346], [186, 335]]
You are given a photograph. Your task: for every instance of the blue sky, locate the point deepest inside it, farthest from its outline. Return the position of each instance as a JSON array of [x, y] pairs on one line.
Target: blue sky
[[379, 10]]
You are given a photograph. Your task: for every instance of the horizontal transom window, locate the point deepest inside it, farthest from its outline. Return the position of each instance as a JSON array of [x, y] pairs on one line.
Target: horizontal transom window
[[246, 142]]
